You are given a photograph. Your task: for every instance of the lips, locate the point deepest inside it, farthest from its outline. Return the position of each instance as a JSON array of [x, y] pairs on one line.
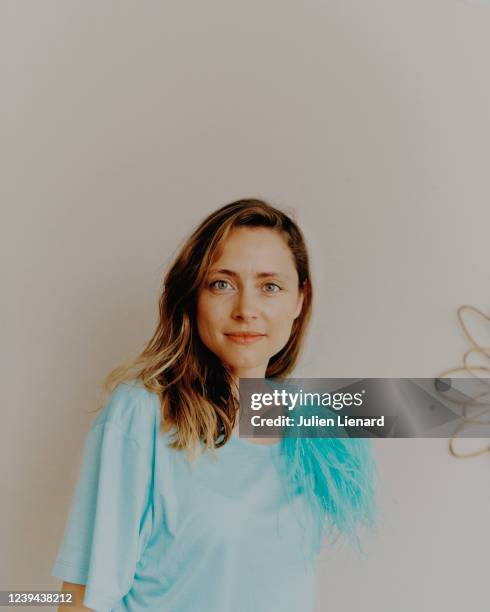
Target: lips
[[244, 337], [246, 334]]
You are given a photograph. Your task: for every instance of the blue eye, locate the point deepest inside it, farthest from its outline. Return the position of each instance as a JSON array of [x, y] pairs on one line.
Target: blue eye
[[217, 281], [274, 285]]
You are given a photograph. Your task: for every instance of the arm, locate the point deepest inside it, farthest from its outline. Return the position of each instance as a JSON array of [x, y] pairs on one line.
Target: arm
[[99, 552], [79, 593]]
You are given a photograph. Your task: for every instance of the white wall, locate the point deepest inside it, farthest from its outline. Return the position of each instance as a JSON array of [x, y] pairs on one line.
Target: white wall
[[127, 122]]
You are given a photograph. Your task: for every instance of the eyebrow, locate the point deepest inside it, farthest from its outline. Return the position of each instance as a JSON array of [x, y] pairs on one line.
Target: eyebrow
[[258, 275]]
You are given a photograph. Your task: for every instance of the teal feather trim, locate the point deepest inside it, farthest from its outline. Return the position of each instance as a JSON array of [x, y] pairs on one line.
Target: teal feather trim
[[337, 479]]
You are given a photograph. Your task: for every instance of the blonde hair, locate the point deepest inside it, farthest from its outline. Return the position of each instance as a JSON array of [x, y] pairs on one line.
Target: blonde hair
[[194, 386]]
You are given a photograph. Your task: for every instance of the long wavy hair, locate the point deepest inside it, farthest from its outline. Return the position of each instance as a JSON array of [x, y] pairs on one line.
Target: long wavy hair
[[196, 390]]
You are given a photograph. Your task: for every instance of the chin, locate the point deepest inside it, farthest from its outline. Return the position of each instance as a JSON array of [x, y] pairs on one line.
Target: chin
[[243, 364], [237, 362]]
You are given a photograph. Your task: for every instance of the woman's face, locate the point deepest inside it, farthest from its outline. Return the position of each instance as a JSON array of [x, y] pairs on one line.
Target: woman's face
[[251, 287]]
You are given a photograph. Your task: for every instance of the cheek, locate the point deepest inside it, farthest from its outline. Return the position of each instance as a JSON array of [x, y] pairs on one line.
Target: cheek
[[284, 315], [208, 317], [283, 320], [202, 315]]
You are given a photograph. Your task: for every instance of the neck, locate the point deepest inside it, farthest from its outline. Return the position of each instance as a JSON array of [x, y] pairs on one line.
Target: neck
[[237, 373]]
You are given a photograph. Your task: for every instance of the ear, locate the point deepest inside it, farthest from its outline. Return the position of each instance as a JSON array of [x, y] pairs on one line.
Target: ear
[[300, 303]]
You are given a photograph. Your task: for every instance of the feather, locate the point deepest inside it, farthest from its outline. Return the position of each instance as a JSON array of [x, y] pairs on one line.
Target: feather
[[336, 478]]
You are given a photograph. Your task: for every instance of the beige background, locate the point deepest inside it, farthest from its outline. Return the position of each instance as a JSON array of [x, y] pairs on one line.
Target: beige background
[[124, 123]]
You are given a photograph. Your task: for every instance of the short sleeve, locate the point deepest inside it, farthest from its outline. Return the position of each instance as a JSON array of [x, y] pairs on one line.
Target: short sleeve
[[103, 535]]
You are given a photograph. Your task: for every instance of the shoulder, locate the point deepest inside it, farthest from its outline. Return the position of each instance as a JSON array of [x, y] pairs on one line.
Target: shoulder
[[132, 410]]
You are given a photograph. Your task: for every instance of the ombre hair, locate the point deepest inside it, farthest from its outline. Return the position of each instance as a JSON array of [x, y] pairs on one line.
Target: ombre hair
[[196, 390]]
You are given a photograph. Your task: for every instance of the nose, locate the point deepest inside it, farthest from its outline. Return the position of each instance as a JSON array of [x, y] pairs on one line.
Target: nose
[[244, 307]]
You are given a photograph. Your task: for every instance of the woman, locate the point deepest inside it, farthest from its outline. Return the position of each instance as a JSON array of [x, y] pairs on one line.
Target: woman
[[172, 510]]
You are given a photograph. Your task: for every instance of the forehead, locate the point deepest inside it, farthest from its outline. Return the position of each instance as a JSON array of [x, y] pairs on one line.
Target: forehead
[[251, 248]]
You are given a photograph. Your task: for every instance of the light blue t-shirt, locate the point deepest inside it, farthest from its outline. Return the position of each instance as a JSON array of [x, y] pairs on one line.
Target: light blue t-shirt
[[149, 531]]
